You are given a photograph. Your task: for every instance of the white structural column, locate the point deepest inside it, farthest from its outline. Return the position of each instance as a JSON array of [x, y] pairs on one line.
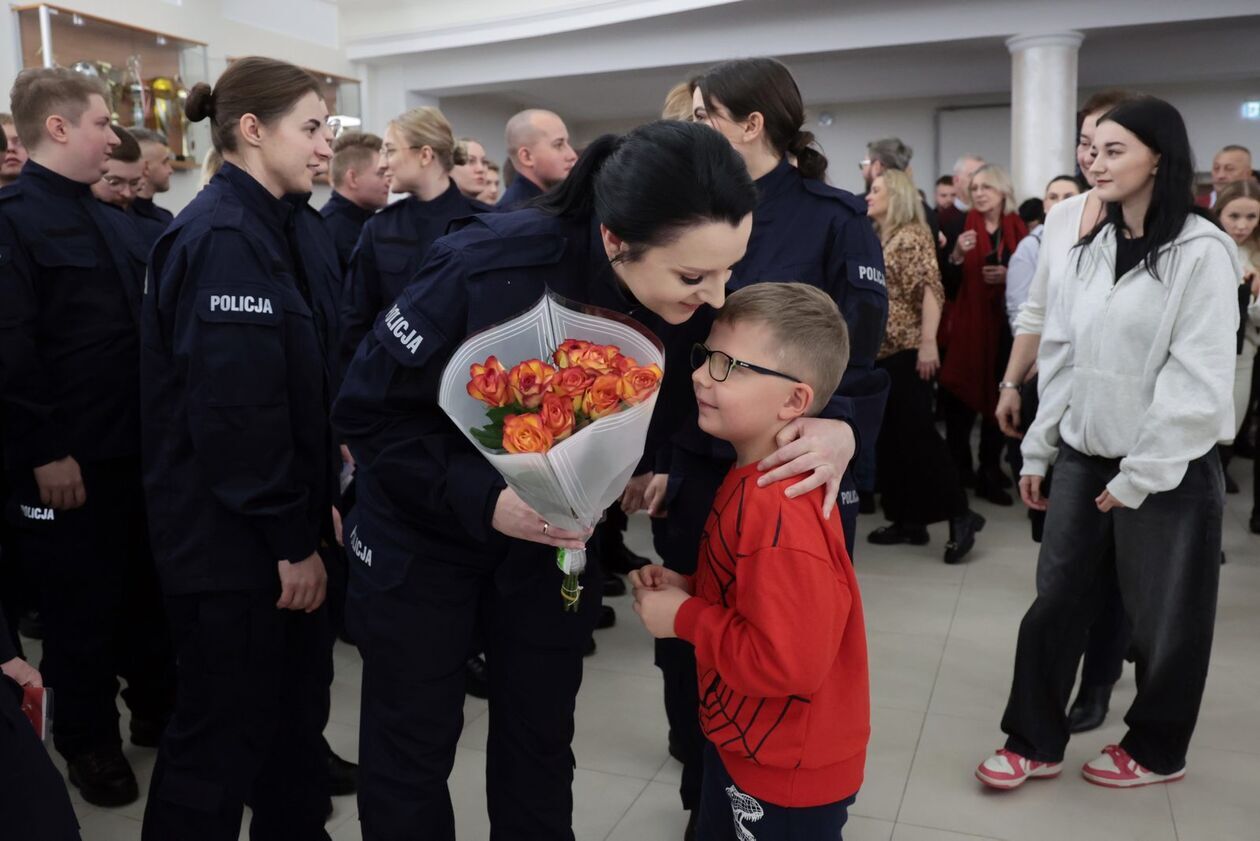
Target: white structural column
[[1043, 108]]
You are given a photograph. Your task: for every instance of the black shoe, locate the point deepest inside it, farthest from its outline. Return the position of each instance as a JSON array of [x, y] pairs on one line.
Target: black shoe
[[607, 618], [104, 778], [989, 487], [146, 732], [613, 585], [1231, 487], [1255, 519], [343, 776], [962, 536], [477, 677], [689, 834], [866, 502], [590, 648], [1089, 710], [31, 626], [621, 560], [898, 533]]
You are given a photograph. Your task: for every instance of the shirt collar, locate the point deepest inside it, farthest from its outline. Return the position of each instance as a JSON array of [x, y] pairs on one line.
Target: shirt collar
[[349, 208], [55, 182], [256, 198]]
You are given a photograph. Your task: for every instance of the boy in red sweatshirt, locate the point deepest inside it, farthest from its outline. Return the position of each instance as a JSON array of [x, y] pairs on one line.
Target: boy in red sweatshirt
[[773, 610]]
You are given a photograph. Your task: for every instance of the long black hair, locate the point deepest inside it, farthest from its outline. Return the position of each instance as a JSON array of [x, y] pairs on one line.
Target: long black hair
[[765, 86], [648, 185], [1159, 126]]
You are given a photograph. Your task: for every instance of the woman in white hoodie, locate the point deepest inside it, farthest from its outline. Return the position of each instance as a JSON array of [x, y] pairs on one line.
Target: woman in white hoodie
[[1136, 384]]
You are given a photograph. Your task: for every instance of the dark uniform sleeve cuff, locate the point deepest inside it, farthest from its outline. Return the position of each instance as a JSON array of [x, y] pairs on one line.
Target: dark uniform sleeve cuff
[[290, 538]]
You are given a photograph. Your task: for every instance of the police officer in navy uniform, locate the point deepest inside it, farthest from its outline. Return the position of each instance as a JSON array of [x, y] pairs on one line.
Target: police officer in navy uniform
[[806, 231], [117, 189], [239, 337], [157, 176], [419, 151], [360, 189], [540, 155], [71, 280], [34, 805], [439, 547]]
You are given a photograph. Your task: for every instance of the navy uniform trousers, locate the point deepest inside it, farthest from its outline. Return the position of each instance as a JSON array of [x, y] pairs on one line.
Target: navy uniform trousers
[[253, 686], [101, 605], [694, 483], [415, 639]]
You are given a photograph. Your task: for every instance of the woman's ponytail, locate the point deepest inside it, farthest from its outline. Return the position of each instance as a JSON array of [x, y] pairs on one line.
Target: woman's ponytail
[[809, 160], [575, 195]]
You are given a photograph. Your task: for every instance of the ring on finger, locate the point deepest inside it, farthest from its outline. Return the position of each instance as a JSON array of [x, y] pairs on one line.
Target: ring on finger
[[546, 527]]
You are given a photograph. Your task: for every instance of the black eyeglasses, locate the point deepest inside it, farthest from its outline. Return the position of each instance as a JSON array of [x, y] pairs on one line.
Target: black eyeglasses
[[720, 364]]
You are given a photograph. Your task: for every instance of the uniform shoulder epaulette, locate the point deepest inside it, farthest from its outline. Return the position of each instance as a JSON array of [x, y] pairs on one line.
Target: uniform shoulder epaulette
[[228, 213], [818, 188]]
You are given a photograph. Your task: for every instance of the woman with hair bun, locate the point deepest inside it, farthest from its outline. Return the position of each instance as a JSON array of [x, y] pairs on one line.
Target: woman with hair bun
[[803, 230], [238, 332]]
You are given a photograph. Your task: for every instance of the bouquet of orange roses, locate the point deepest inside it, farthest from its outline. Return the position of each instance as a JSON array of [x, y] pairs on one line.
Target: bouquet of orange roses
[[566, 424]]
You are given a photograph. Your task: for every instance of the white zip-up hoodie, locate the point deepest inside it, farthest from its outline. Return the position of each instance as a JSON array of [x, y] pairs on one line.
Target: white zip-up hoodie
[[1140, 369]]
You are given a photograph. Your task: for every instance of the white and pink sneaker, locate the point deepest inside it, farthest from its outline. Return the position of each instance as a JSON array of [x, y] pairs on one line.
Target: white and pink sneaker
[[1007, 770], [1114, 768]]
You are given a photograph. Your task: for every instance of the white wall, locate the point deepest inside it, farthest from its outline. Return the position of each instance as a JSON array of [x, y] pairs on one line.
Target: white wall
[[481, 117]]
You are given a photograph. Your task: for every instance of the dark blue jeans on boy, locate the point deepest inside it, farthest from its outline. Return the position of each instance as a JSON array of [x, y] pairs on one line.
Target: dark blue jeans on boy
[[729, 814]]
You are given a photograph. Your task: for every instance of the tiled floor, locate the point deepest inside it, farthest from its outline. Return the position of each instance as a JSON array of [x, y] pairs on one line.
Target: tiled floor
[[941, 642]]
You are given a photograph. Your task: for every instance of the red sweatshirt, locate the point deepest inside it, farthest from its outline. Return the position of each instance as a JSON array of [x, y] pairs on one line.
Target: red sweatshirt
[[776, 621]]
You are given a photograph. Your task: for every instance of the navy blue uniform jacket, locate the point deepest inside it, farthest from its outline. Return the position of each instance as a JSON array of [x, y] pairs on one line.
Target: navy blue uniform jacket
[[391, 248], [424, 491], [806, 231], [519, 193], [71, 278], [344, 220], [238, 333]]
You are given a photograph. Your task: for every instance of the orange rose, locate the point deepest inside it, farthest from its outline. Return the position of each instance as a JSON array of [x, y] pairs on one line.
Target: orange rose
[[572, 382], [600, 358], [638, 384], [489, 383], [621, 363], [569, 352], [603, 397], [557, 416], [530, 381], [526, 434]]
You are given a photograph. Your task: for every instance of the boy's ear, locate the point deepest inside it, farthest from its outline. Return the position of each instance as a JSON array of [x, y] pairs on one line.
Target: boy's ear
[[798, 402], [57, 127]]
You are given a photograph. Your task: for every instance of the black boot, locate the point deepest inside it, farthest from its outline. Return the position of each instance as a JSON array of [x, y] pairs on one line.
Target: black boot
[[962, 536], [607, 618], [1255, 518], [1089, 710], [618, 558], [897, 533], [343, 776], [104, 778], [689, 834], [477, 677]]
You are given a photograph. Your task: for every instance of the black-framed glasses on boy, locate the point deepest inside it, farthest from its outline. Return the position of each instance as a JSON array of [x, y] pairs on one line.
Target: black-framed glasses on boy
[[721, 364]]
